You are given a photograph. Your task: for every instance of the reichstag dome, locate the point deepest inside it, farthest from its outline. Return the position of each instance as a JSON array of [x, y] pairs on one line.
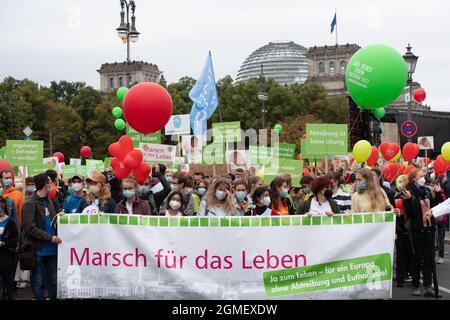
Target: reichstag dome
[[285, 62]]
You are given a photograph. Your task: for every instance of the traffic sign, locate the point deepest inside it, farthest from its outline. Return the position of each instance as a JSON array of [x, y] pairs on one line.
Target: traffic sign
[[27, 131], [409, 129]]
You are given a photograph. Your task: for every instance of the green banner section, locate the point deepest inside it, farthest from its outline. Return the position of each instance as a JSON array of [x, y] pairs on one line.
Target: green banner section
[[94, 165], [39, 168], [337, 274], [262, 156], [71, 170], [2, 152], [24, 153], [305, 154], [213, 153], [325, 139], [282, 166], [226, 132], [284, 150], [137, 137], [107, 162]]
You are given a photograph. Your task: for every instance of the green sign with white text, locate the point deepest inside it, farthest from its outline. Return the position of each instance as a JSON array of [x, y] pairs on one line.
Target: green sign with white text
[[137, 137], [24, 153], [226, 132], [284, 150], [324, 139]]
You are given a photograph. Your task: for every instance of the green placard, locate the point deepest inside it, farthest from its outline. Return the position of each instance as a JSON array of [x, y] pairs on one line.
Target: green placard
[[137, 137], [39, 168], [262, 156], [325, 139], [213, 153], [107, 162], [226, 132], [24, 153], [284, 150], [2, 153], [94, 165], [286, 166], [71, 170]]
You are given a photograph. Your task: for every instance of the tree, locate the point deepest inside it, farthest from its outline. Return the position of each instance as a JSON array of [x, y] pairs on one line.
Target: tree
[[85, 103], [293, 130], [179, 92], [65, 91]]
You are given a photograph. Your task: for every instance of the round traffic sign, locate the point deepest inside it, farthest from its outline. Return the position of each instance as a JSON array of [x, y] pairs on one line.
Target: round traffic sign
[[409, 129]]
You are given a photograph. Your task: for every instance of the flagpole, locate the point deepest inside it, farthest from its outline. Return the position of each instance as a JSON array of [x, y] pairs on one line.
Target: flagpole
[[335, 14]]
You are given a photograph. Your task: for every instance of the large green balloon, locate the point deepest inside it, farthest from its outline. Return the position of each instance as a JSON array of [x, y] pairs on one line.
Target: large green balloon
[[117, 112], [376, 76], [278, 128], [119, 124], [379, 113], [121, 92]]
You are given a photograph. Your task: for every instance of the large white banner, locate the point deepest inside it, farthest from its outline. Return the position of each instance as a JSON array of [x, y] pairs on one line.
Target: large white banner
[[295, 257], [157, 152]]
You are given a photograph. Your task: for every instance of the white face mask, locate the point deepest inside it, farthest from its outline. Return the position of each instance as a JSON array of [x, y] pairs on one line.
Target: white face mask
[[77, 187], [266, 201], [174, 204], [421, 182], [157, 188]]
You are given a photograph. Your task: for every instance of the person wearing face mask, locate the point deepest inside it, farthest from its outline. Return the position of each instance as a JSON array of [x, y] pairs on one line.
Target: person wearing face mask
[[39, 231], [175, 206], [30, 188], [169, 176], [218, 200], [155, 189], [200, 190], [131, 203], [343, 199], [416, 202], [321, 203], [9, 192], [438, 196], [179, 183], [280, 203], [261, 199], [305, 183], [368, 196], [9, 236], [71, 202], [98, 199], [240, 198]]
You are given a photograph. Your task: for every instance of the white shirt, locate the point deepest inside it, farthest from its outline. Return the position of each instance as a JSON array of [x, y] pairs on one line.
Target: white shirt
[[318, 209], [212, 211], [129, 207], [167, 214], [92, 209]]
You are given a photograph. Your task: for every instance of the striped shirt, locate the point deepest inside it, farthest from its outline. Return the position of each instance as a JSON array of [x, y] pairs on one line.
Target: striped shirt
[[344, 201]]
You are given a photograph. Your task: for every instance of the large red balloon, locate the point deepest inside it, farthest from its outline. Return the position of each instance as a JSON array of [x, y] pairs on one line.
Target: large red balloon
[[86, 151], [60, 156], [121, 148], [147, 107], [389, 150], [410, 151], [133, 159], [373, 157], [142, 172], [419, 95], [120, 172]]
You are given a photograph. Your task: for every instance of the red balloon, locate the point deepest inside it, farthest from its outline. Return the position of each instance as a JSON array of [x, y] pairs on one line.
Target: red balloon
[[86, 151], [147, 107], [306, 172], [52, 194], [373, 157], [441, 165], [392, 170], [399, 205], [142, 172], [121, 148], [409, 169], [133, 159], [389, 150], [419, 95], [410, 151], [60, 156], [426, 161]]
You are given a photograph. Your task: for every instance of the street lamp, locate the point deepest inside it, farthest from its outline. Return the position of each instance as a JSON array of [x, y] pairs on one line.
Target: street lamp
[[127, 31], [411, 62], [262, 95]]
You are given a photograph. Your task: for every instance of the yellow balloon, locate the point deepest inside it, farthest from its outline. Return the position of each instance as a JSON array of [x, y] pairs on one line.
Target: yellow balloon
[[445, 151], [362, 151], [394, 159], [400, 178], [260, 173]]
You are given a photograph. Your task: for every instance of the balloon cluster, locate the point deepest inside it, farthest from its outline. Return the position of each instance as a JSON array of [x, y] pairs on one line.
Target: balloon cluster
[[117, 111], [128, 160]]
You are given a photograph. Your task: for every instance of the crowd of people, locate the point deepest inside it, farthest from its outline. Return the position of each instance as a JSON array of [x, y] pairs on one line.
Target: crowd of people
[[28, 212]]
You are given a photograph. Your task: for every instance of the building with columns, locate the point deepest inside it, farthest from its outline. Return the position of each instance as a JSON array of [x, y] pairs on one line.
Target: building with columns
[[119, 74]]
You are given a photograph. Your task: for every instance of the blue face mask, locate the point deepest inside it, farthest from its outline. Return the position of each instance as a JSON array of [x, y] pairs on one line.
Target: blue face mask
[[69, 190], [201, 191], [128, 194], [7, 182], [306, 190], [241, 195], [361, 185], [1, 192], [144, 190], [284, 192]]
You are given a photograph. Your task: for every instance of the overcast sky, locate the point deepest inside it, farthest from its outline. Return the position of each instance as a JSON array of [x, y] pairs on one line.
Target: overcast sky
[[69, 39]]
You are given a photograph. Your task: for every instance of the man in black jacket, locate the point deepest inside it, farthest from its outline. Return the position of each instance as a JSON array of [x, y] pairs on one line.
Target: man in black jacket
[[37, 227]]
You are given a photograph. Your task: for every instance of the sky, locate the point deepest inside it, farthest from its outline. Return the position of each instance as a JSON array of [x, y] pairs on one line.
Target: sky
[[68, 39]]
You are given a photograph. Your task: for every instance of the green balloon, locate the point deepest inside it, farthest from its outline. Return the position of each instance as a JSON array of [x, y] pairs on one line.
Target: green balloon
[[278, 128], [121, 92], [119, 124], [376, 76], [379, 113], [117, 112]]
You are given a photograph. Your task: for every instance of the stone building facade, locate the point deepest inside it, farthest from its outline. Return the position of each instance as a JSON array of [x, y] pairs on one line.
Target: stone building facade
[[116, 75]]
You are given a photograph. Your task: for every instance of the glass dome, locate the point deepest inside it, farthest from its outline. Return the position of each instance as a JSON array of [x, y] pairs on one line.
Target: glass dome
[[285, 62]]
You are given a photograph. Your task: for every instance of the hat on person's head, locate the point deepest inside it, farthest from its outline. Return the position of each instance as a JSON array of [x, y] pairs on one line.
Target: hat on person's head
[[97, 177], [76, 177]]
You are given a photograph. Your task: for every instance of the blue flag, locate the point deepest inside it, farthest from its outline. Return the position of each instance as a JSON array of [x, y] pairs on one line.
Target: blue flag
[[205, 98], [333, 23]]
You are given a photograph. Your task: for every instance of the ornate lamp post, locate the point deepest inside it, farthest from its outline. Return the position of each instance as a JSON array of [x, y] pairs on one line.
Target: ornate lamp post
[[262, 95], [126, 31], [411, 62]]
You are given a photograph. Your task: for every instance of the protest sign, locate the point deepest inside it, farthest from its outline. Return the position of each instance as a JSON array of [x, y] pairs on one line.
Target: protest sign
[[157, 152], [226, 132], [284, 150], [137, 137], [94, 166], [72, 170], [75, 161], [325, 139], [24, 153], [141, 257], [178, 124], [39, 168], [54, 162], [213, 153]]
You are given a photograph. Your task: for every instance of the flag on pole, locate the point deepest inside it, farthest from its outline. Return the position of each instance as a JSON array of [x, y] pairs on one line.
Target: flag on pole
[[205, 98], [125, 40], [333, 23]]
